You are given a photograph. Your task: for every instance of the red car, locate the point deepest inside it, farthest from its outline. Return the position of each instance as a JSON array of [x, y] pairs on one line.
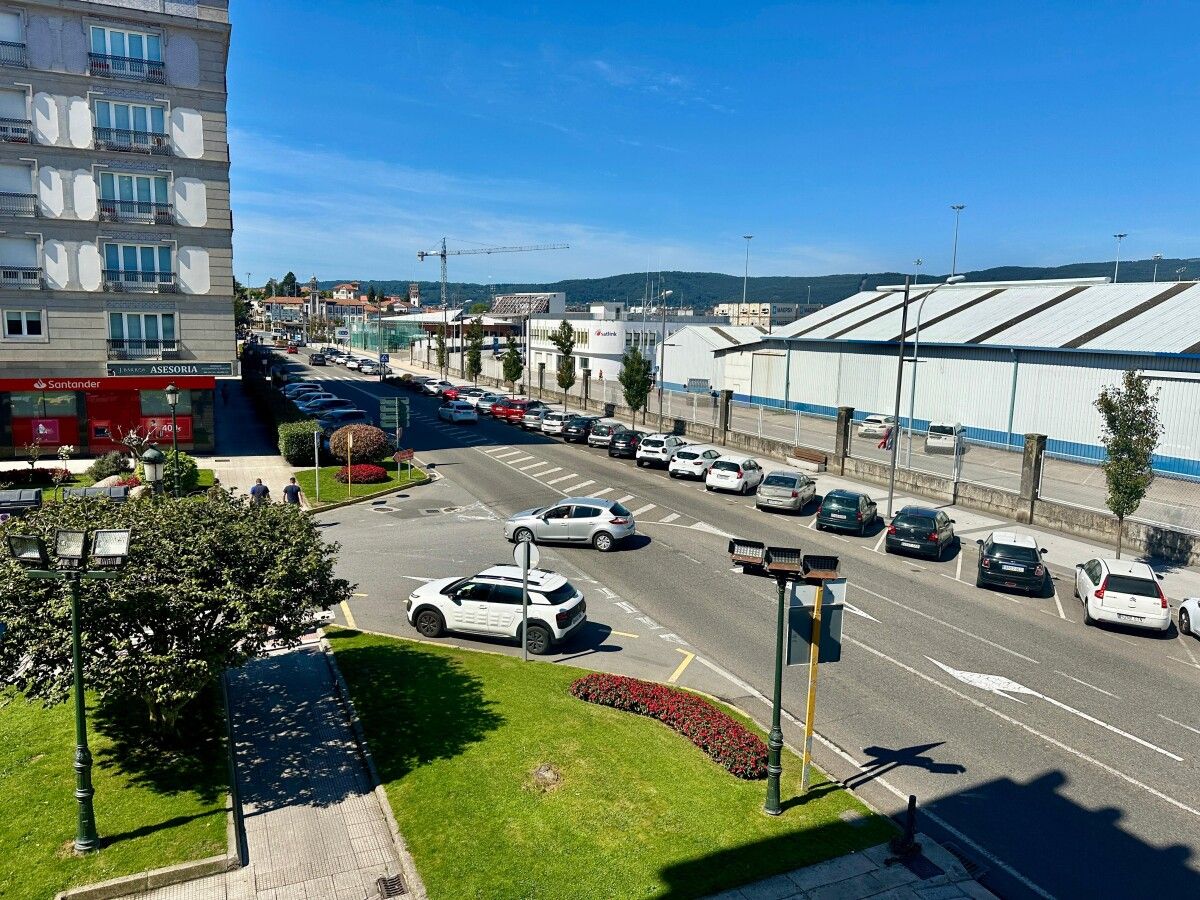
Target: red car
[[452, 393], [292, 348], [513, 411]]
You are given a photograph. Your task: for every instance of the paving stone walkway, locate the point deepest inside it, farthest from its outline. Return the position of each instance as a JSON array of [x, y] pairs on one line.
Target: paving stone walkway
[[314, 828]]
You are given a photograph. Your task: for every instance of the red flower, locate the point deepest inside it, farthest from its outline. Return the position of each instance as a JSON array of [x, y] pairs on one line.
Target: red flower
[[362, 474], [727, 741]]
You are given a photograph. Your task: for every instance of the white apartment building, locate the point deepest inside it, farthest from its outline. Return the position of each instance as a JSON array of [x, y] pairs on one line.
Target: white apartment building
[[765, 315]]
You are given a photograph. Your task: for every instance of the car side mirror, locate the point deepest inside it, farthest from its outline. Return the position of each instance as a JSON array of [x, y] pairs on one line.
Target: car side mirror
[[1158, 575], [951, 521], [1079, 565], [979, 541], [1043, 551]]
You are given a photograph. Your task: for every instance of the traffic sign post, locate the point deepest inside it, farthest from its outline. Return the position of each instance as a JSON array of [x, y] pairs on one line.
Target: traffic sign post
[[403, 456], [527, 556]]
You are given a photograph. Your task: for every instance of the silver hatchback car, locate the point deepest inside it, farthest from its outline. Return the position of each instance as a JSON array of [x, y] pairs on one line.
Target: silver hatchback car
[[573, 520]]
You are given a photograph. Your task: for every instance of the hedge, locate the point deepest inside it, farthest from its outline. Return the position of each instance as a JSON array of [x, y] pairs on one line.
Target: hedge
[[732, 745], [296, 441], [32, 477], [362, 474]]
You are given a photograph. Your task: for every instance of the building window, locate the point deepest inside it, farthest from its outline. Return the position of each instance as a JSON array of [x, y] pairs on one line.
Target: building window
[[12, 40], [134, 127], [118, 53], [134, 198], [138, 267], [154, 403], [24, 325], [43, 404], [141, 334]]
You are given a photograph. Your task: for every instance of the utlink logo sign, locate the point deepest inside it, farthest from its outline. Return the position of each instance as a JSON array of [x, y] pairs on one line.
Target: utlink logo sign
[[601, 333], [52, 385]]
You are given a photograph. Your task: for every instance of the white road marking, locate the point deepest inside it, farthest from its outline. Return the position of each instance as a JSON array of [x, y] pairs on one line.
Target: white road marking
[[625, 499], [627, 606], [563, 478], [758, 695], [673, 638], [519, 459], [574, 489], [812, 526], [851, 608], [946, 624], [1087, 684], [710, 529], [549, 472], [643, 509], [532, 478], [878, 543], [1180, 724], [1186, 649], [536, 465], [1058, 603], [1002, 687], [667, 520], [495, 450], [509, 453], [601, 492], [418, 578], [958, 568], [649, 623]]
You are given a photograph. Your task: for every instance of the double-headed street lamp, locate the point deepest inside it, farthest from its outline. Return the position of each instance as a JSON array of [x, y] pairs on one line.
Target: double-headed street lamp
[[172, 394], [76, 562], [912, 387]]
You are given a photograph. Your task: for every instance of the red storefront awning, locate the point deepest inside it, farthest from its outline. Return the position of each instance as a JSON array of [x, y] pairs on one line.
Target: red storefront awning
[[117, 383]]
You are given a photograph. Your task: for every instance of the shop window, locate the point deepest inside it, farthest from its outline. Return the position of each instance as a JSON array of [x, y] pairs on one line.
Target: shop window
[[154, 403], [43, 404]]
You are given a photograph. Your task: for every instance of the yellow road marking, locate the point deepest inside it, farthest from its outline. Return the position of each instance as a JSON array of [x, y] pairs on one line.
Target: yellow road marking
[[359, 595], [623, 634], [349, 615], [687, 658]]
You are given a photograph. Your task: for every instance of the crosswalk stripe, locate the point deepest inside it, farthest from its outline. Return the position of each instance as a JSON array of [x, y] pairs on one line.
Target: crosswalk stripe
[[667, 519], [535, 465], [573, 488], [513, 462], [509, 453], [550, 472], [564, 478], [626, 497], [602, 492], [646, 508], [495, 450]]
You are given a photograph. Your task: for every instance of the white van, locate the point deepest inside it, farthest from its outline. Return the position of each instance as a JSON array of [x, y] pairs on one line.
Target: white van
[[734, 472], [943, 437]]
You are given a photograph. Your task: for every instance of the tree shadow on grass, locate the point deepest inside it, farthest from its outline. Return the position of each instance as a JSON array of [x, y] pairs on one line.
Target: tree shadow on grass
[[190, 760], [416, 704]]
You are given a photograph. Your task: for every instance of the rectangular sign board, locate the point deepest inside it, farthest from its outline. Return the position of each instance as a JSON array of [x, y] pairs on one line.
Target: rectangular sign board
[[170, 368], [402, 456], [800, 620]]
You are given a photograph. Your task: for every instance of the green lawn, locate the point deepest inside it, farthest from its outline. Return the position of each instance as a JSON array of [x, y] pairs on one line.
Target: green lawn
[[639, 812], [153, 807], [333, 491]]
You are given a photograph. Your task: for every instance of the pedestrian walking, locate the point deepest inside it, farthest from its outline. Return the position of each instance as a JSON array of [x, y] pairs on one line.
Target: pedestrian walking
[[260, 493], [216, 492], [291, 493], [885, 442]]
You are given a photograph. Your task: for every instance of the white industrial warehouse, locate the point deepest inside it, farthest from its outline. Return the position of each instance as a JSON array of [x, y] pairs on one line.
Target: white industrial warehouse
[[1002, 358]]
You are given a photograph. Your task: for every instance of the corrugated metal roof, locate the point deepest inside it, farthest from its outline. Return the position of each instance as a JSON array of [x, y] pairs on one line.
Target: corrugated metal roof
[[1136, 317]]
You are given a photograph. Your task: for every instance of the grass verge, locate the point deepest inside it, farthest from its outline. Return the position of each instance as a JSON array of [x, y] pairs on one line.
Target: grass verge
[[639, 811], [333, 491], [154, 807]]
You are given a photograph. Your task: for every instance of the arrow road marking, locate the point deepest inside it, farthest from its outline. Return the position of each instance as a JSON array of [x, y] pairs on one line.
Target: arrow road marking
[[1002, 687], [851, 608]]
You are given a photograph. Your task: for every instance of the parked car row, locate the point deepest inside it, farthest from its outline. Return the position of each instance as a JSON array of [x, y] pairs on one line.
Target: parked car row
[[330, 411], [338, 357]]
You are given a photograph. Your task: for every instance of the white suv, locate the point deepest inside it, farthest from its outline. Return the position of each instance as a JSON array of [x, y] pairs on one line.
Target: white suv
[[692, 461], [1125, 593], [490, 604], [659, 448], [555, 422]]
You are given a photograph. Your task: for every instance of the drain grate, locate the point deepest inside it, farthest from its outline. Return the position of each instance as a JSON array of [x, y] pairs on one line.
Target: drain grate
[[389, 886], [973, 868]]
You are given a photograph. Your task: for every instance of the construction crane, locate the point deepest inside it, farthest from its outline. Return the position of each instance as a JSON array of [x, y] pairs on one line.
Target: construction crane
[[442, 253]]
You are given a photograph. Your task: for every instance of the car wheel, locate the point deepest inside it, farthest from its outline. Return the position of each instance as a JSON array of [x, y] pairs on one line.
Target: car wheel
[[602, 541], [708, 487], [641, 462], [1087, 614], [429, 623], [521, 535], [1185, 622], [537, 639], [978, 579], [820, 527]]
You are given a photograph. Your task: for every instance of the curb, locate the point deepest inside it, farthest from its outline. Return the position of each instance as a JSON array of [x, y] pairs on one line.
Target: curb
[[412, 880], [128, 885], [429, 478]]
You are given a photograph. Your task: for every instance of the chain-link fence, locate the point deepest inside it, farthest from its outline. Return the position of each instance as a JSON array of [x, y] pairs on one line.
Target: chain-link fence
[[1170, 501], [787, 425]]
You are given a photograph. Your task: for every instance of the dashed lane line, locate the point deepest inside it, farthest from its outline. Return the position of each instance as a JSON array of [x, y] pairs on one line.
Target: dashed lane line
[[601, 492], [494, 450], [509, 453], [519, 459], [536, 465], [1180, 724], [575, 487], [549, 472], [643, 509]]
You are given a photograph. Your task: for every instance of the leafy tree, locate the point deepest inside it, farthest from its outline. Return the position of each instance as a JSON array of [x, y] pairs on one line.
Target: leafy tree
[[563, 338], [478, 308], [636, 380], [271, 289], [371, 444], [371, 294], [1131, 432], [241, 312], [207, 585], [474, 349], [514, 366], [288, 286], [439, 346]]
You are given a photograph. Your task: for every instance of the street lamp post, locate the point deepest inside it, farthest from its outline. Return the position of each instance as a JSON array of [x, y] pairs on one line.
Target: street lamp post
[[958, 208], [109, 549], [1157, 258], [912, 386], [172, 395], [746, 276], [662, 379], [152, 467], [896, 406], [1117, 265], [917, 263]]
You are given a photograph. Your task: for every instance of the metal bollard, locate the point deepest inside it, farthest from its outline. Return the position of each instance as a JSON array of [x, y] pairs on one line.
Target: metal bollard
[[905, 846]]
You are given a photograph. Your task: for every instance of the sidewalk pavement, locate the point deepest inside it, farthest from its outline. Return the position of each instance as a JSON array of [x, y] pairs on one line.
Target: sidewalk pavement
[[933, 875], [314, 827]]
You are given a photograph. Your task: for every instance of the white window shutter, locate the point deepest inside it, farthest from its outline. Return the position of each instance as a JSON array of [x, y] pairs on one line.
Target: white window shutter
[[191, 202], [84, 187], [193, 270], [79, 123]]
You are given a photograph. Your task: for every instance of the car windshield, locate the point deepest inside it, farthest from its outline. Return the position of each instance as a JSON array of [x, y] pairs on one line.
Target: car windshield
[[840, 502], [686, 454], [619, 510], [726, 466], [1009, 551], [913, 521], [559, 595], [785, 481], [1128, 584], [941, 429]]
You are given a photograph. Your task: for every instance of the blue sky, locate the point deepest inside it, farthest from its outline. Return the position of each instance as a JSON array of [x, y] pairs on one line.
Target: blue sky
[[654, 135]]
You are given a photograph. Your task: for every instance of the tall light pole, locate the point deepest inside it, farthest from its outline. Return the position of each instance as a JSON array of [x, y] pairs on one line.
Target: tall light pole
[[172, 395], [896, 407], [917, 263], [1179, 273], [958, 208], [746, 277], [912, 385], [1157, 259], [1117, 266]]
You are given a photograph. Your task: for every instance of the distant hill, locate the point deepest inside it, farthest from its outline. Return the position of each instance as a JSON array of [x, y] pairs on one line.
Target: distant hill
[[703, 289]]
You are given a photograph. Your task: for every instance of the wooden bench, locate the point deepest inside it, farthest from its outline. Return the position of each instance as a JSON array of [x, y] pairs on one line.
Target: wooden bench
[[817, 459]]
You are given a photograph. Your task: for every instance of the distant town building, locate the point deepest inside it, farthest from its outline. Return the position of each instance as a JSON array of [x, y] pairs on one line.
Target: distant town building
[[765, 315], [347, 291], [533, 304]]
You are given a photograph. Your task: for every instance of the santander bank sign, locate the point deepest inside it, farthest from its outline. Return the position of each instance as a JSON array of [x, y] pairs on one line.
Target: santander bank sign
[[66, 384]]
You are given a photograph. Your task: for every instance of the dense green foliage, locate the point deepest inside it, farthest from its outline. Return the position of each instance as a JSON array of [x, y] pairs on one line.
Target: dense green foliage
[[636, 379], [1131, 432], [188, 470], [563, 339], [371, 444], [114, 462], [296, 441], [514, 365], [207, 584], [474, 349]]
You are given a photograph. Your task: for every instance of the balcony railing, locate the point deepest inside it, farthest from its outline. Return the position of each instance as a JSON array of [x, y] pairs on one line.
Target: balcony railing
[[146, 282], [13, 54], [20, 276], [126, 348], [129, 68], [15, 130], [142, 211], [17, 204], [150, 142]]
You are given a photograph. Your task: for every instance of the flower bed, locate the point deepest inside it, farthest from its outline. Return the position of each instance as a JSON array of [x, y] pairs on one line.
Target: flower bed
[[362, 474], [33, 477], [727, 741]]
